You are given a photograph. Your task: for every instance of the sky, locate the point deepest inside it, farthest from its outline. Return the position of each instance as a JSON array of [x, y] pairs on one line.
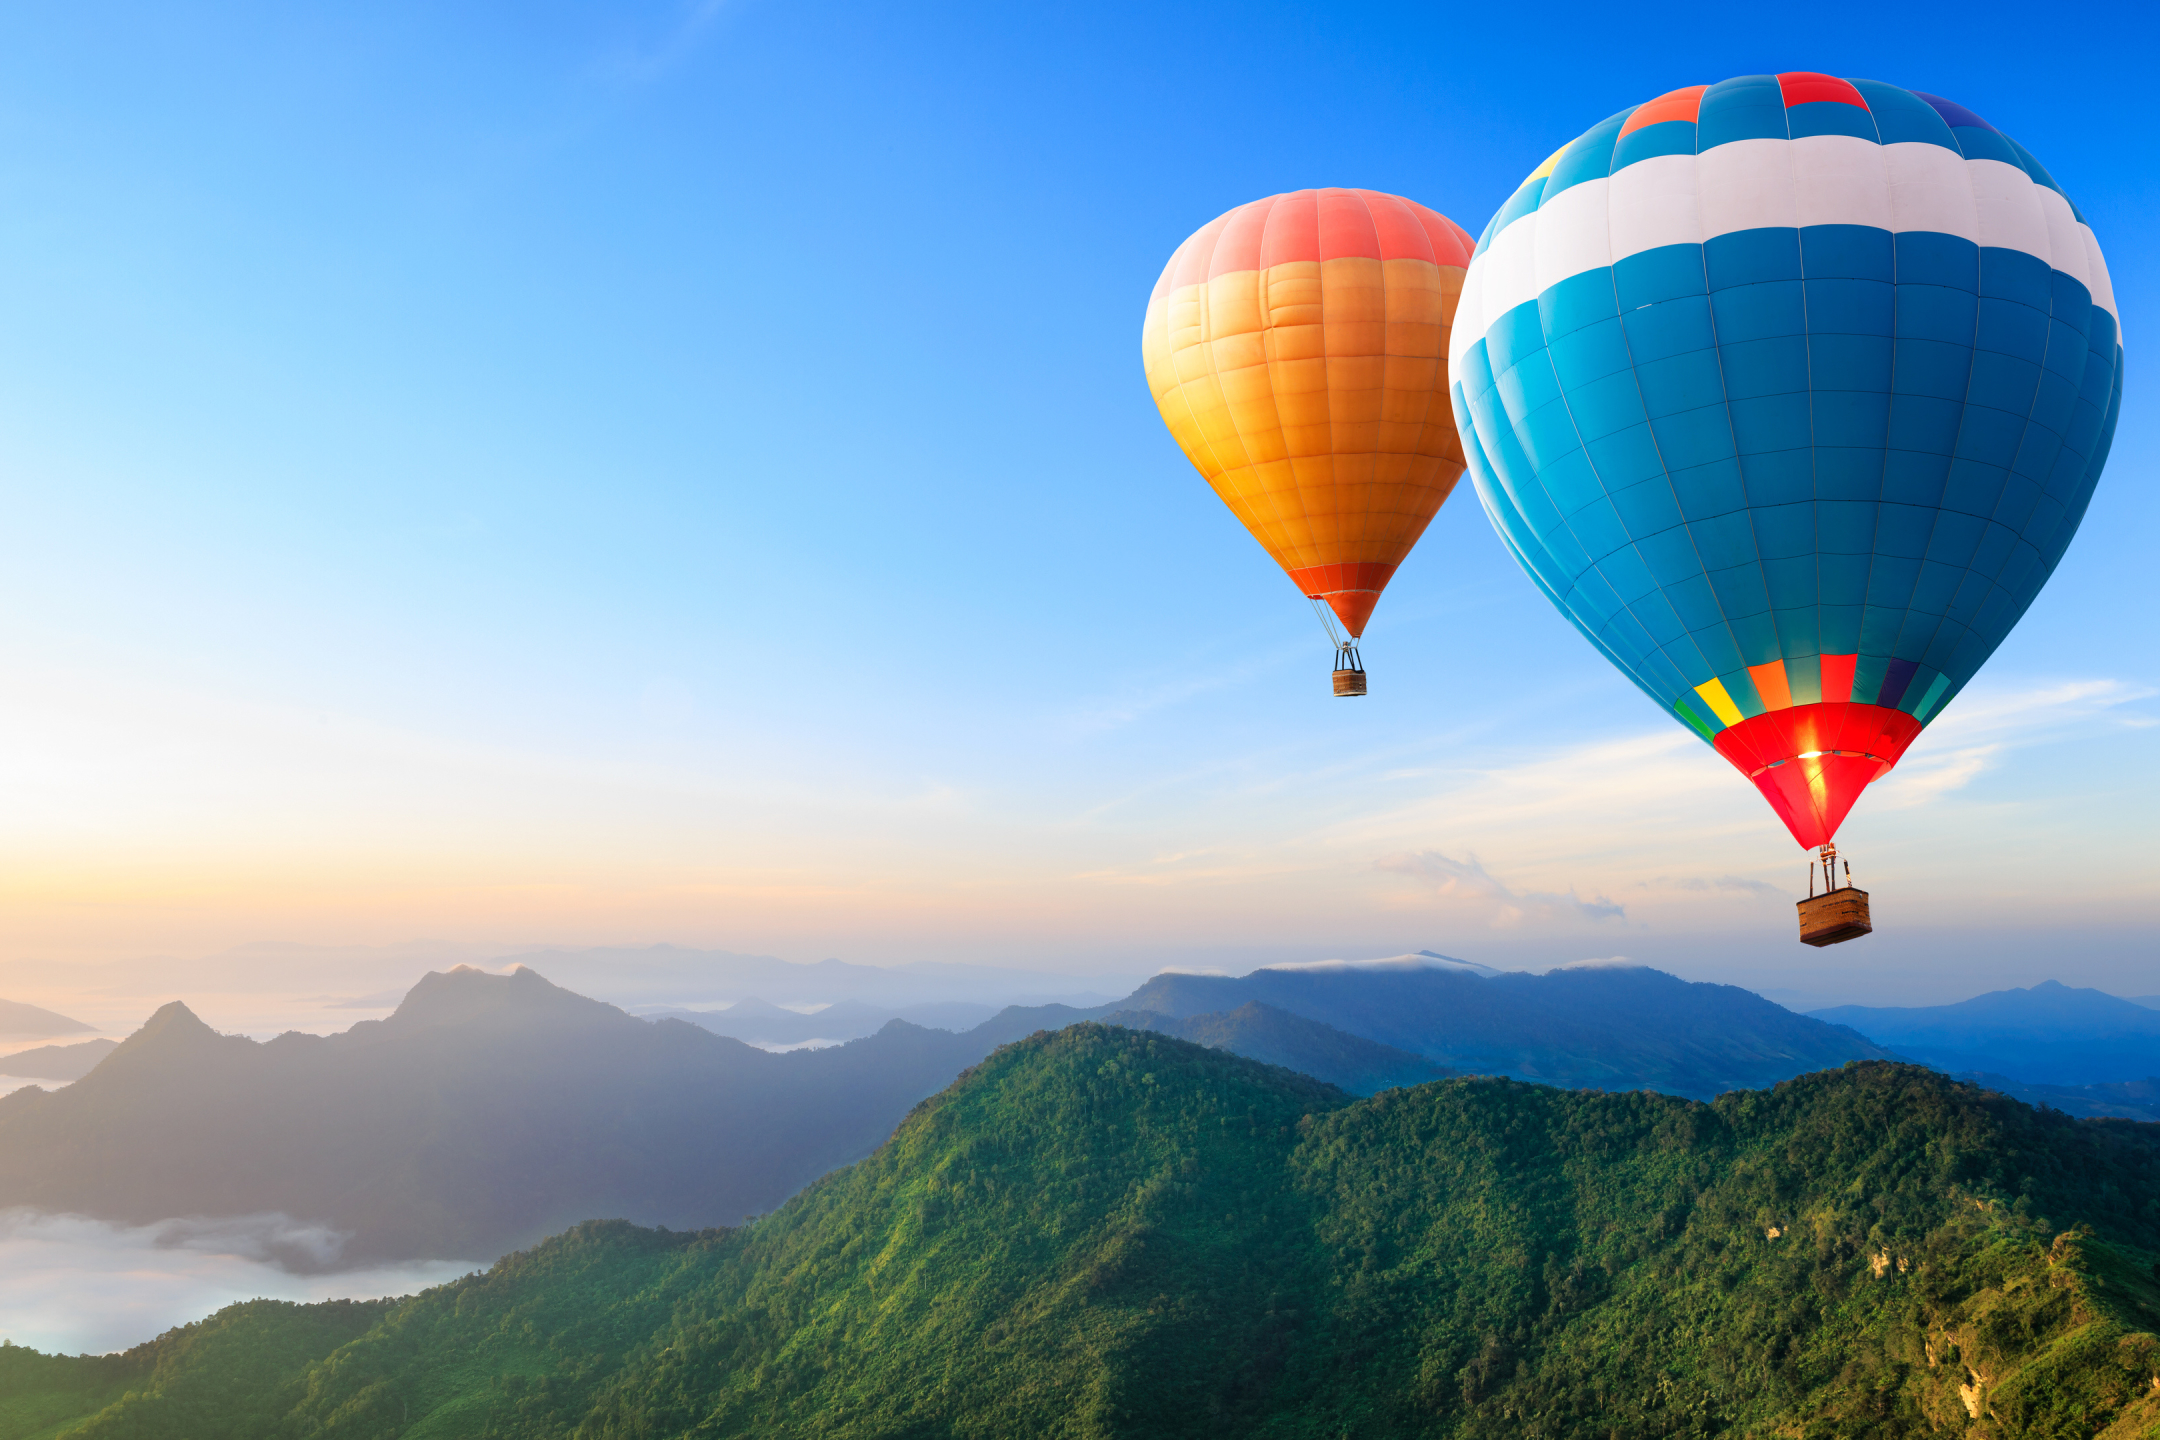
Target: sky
[[564, 474]]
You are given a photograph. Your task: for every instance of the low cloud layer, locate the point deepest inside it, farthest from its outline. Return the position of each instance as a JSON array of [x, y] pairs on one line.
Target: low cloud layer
[[82, 1286]]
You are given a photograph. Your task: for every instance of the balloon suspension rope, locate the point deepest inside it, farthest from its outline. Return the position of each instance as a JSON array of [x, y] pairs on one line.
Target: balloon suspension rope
[[1326, 614], [1346, 656], [1826, 860]]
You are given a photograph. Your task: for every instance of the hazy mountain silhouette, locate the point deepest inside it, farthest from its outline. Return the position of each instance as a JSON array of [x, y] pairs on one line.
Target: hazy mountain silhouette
[[488, 1111], [18, 1019], [1262, 1032], [2114, 1100], [57, 1062], [1613, 1027], [762, 1023], [2051, 1034]]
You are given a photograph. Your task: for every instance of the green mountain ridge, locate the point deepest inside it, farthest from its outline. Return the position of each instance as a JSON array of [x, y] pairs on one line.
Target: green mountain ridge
[[1276, 1037], [489, 1111], [1106, 1232]]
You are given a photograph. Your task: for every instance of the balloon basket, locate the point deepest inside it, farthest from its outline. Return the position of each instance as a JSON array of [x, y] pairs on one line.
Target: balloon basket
[[1840, 913], [1349, 671], [1834, 918]]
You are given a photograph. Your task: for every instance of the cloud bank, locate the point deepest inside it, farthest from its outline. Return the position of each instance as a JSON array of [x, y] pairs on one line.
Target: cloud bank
[[82, 1286]]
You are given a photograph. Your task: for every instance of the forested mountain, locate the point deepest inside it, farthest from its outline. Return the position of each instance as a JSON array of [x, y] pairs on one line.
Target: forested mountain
[[487, 1112], [1276, 1037], [2049, 1034], [491, 1110], [1102, 1232], [1610, 1027]]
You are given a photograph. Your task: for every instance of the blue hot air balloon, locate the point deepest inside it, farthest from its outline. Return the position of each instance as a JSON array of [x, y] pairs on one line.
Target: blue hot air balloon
[[1790, 392]]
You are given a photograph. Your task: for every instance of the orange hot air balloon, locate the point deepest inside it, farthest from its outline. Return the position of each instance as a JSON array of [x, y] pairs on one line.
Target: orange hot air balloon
[[1297, 348]]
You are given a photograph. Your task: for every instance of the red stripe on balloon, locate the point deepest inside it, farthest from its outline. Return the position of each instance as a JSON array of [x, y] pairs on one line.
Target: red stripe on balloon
[[1351, 590], [1837, 675], [1396, 229], [1802, 87], [1683, 104], [1292, 233], [1811, 762], [1318, 225]]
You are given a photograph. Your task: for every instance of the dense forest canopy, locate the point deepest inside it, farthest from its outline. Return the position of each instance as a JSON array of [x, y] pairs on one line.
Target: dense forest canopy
[[1104, 1232]]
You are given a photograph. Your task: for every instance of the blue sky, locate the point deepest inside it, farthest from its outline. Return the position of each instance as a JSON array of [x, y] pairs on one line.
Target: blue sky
[[605, 473]]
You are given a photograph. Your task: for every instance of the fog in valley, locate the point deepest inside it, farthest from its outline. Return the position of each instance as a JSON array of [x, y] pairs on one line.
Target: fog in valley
[[81, 1286]]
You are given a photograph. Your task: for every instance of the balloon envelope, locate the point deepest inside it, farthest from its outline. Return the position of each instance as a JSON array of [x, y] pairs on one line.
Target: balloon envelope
[[1297, 347], [1790, 392]]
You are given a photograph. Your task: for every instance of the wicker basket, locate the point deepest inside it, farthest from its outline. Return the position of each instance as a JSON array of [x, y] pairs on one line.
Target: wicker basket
[[1349, 682], [1834, 918]]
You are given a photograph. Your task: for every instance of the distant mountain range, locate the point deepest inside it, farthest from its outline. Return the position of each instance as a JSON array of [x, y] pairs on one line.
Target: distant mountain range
[[1617, 1028], [57, 1062], [765, 1024], [490, 1110], [18, 1020], [2050, 1034], [2118, 1100]]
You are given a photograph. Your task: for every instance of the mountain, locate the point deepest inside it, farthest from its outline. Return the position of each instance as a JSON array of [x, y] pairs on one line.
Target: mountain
[[57, 1062], [1612, 1027], [2119, 1100], [1107, 1233], [2051, 1034], [761, 1023], [486, 1112], [1276, 1037], [18, 1019], [1416, 960], [2150, 1002]]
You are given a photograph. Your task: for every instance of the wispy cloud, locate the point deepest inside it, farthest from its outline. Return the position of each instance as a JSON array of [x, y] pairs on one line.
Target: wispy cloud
[[1640, 782], [1985, 712], [1978, 730], [1660, 817], [1466, 877], [1143, 696], [1701, 883]]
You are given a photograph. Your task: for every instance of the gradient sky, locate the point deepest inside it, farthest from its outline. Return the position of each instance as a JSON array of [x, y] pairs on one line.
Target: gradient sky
[[565, 473]]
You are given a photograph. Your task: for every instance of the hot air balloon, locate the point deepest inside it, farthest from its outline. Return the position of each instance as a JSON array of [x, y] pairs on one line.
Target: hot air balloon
[[1790, 392], [1297, 349]]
